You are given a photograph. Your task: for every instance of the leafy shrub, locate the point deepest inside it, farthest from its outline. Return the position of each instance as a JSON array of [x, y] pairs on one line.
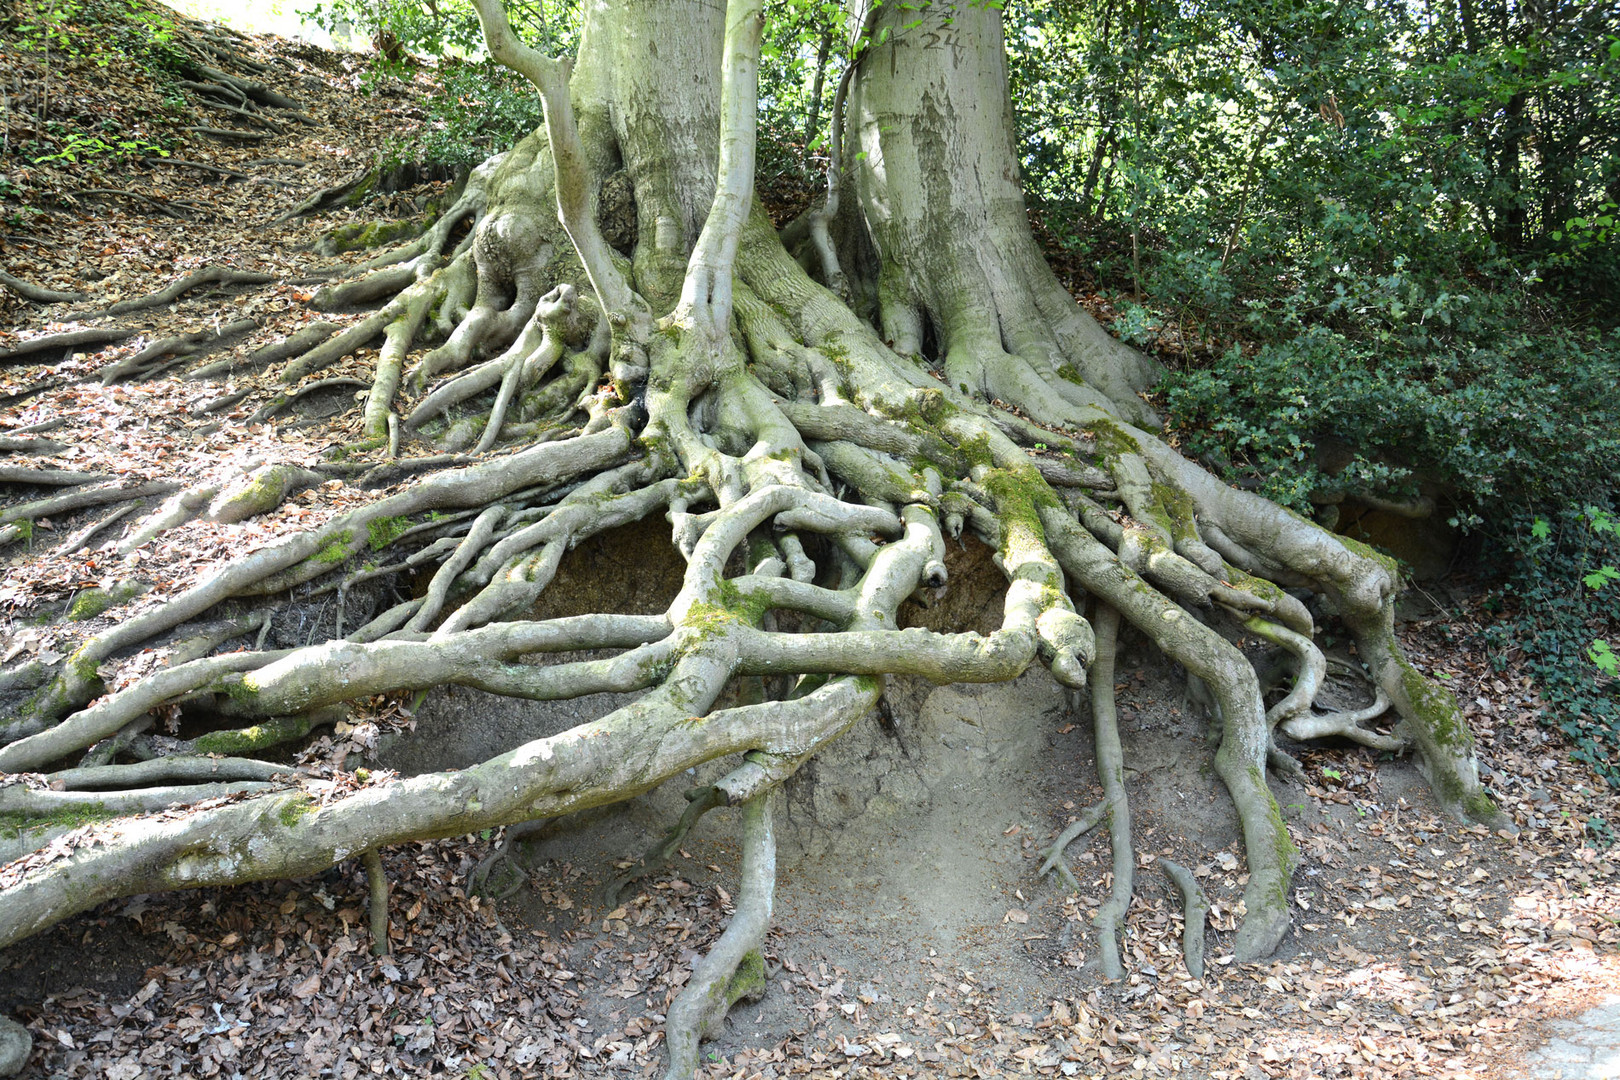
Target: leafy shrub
[[1509, 424], [400, 28], [1561, 616], [477, 110], [77, 146], [1515, 426], [101, 31]]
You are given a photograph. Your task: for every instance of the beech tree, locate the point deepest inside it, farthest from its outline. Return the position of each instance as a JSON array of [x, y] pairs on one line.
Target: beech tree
[[816, 411]]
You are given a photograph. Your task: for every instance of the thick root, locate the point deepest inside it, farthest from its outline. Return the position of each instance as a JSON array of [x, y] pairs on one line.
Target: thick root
[[734, 968], [377, 901], [1111, 769]]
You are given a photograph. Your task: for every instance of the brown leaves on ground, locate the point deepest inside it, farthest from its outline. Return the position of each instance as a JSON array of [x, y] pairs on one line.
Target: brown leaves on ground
[[160, 429], [1423, 949]]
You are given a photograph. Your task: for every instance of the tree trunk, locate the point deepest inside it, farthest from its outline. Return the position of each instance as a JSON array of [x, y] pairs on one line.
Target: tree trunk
[[951, 248]]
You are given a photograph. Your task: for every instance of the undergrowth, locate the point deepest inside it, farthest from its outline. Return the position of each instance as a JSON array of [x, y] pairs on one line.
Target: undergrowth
[[476, 109], [61, 46], [1560, 613]]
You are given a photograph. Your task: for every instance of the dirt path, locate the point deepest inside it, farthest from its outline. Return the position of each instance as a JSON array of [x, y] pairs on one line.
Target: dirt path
[[1584, 1047]]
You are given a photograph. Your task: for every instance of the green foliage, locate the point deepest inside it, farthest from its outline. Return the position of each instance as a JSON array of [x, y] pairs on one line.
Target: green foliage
[[477, 109], [1561, 615], [1254, 148], [55, 40], [100, 31], [1599, 652], [79, 146], [397, 29], [1505, 422]]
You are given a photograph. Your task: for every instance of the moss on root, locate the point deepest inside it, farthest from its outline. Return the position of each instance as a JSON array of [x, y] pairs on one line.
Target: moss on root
[[1367, 551], [1436, 710], [240, 741], [86, 669], [359, 446], [1178, 511], [1020, 495], [13, 825], [93, 602], [1254, 586], [295, 810], [748, 981], [336, 548], [1112, 441], [749, 609], [360, 235], [384, 531], [703, 621]]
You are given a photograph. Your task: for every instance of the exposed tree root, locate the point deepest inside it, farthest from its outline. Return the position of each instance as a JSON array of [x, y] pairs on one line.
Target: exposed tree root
[[37, 293], [31, 447], [1111, 769], [80, 538], [810, 462], [212, 275], [483, 873], [1076, 829], [17, 474], [325, 198], [228, 133], [26, 801], [377, 901], [293, 345], [734, 968], [175, 208], [1194, 910], [18, 519], [72, 339], [156, 357], [171, 769]]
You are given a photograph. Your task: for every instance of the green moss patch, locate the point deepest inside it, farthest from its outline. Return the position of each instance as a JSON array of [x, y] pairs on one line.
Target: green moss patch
[[384, 531], [336, 548], [281, 729], [295, 810], [14, 825]]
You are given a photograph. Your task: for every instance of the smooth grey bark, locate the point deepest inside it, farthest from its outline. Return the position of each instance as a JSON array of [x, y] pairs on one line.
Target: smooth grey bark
[[940, 198]]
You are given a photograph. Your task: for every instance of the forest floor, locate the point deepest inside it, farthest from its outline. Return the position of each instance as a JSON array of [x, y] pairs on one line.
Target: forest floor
[[912, 942]]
